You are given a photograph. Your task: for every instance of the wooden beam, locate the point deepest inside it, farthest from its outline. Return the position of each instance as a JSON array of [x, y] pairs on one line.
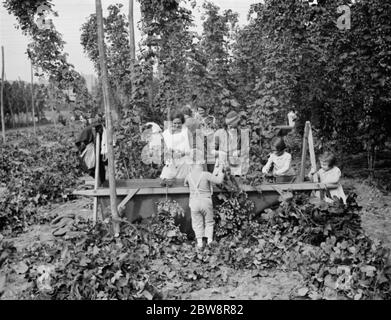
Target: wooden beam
[[140, 183], [312, 153], [304, 152], [132, 44], [97, 178], [185, 190], [122, 205], [109, 130], [2, 94]]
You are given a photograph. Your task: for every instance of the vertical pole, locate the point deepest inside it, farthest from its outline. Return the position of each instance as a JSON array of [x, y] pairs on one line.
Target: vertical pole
[[304, 151], [132, 42], [2, 94], [131, 32], [32, 97], [106, 100], [312, 152], [97, 177]]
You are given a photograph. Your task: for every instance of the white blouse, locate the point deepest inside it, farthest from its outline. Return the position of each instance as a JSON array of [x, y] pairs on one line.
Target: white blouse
[[178, 142], [332, 175], [281, 164]]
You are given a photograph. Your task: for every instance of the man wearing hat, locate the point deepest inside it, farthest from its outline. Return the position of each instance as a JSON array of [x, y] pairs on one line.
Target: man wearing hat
[[229, 150], [206, 120]]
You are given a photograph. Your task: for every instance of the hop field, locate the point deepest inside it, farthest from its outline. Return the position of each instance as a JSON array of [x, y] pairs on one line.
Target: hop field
[[304, 249]]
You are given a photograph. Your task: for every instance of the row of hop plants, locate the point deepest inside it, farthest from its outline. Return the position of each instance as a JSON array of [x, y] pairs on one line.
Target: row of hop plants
[[36, 171], [324, 242]]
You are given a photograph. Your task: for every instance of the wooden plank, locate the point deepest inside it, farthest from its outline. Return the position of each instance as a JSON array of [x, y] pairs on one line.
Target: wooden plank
[[122, 205], [109, 129], [312, 153], [2, 94], [304, 152], [139, 182], [97, 178], [184, 190]]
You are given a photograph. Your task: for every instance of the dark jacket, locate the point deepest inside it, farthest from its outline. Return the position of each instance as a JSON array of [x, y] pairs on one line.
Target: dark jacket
[[87, 136]]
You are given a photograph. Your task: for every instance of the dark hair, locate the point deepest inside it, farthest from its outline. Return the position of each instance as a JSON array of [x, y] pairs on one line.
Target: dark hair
[[279, 144], [176, 115], [187, 111], [328, 157]]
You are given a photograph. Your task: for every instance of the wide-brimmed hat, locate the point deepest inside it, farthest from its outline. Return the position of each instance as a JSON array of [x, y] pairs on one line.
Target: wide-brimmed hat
[[232, 117]]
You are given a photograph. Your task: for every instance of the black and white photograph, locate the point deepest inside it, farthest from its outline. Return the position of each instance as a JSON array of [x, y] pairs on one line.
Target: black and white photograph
[[206, 151]]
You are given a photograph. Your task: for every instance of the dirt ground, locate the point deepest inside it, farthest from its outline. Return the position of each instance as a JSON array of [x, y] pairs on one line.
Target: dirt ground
[[36, 234], [376, 210], [242, 284]]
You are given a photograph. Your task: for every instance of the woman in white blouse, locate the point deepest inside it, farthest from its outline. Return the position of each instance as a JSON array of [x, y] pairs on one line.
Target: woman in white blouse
[[177, 148]]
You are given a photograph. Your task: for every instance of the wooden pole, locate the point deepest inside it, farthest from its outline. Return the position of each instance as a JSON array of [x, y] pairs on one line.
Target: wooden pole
[[2, 94], [132, 44], [32, 97], [131, 34], [97, 177], [312, 152], [304, 151], [109, 131]]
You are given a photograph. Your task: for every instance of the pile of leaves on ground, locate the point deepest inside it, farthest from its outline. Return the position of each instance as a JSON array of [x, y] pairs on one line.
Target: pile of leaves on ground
[[326, 243], [152, 259], [35, 171], [98, 265]]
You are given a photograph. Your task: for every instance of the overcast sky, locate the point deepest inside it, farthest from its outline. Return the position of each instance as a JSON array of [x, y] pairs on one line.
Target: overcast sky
[[72, 14]]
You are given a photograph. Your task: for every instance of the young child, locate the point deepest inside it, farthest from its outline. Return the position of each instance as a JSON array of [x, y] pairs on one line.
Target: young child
[[329, 173], [280, 159], [200, 200]]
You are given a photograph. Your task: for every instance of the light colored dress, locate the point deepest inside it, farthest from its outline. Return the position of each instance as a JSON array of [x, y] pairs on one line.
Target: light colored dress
[[332, 175], [281, 165], [177, 166]]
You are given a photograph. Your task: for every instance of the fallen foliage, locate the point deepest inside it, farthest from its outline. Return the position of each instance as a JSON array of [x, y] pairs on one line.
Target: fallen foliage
[[153, 260], [36, 171]]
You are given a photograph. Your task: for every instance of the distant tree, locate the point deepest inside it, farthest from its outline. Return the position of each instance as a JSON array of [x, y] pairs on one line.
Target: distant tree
[[46, 50]]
